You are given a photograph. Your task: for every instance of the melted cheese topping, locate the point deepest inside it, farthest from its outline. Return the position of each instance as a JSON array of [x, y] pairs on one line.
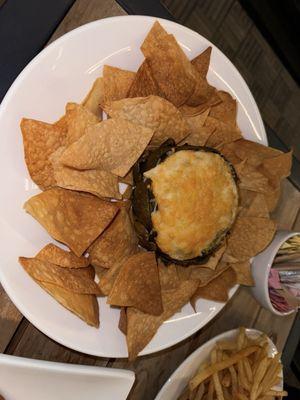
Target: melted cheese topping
[[196, 197]]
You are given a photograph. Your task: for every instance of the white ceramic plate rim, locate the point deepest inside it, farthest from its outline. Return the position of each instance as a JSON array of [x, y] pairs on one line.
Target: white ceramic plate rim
[[6, 100], [197, 355]]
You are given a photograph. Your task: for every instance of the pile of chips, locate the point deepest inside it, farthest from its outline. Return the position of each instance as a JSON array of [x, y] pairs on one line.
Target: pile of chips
[[80, 161]]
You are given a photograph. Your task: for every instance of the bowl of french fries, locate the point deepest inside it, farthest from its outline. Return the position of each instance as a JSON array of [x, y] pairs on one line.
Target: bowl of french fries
[[282, 256], [241, 364]]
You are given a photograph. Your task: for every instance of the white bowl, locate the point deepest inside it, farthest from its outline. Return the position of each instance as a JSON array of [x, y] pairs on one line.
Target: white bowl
[[21, 378], [175, 385], [261, 266]]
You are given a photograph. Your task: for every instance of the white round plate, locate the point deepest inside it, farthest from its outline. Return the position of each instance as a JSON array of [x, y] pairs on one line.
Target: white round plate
[[62, 72], [177, 382]]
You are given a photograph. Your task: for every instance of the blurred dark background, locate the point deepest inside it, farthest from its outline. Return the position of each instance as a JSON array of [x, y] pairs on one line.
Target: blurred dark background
[[261, 37]]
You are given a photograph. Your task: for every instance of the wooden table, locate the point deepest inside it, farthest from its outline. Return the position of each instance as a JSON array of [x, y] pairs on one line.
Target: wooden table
[[20, 338]]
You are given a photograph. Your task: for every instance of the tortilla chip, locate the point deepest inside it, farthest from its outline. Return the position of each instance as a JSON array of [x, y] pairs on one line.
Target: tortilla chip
[[199, 134], [249, 236], [272, 198], [144, 84], [152, 112], [113, 145], [190, 111], [116, 243], [62, 123], [75, 219], [168, 276], [62, 258], [202, 91], [137, 285], [170, 67], [243, 273], [85, 306], [277, 168], [116, 82], [201, 62], [128, 178], [40, 141], [79, 118], [257, 208], [222, 134], [254, 152], [142, 327], [217, 289], [214, 259], [95, 97], [226, 111], [206, 275], [107, 280], [251, 179], [102, 184], [67, 278], [127, 194], [123, 320]]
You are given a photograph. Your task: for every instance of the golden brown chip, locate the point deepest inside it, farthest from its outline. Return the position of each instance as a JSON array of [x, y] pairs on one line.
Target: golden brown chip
[[144, 84], [40, 141], [127, 194], [116, 82], [123, 320], [251, 179], [217, 289], [62, 258], [214, 259], [128, 178], [222, 134], [249, 236], [168, 276], [152, 112], [226, 110], [243, 273], [190, 111], [85, 306], [272, 198], [67, 278], [254, 152], [100, 183], [95, 97], [257, 208], [62, 123], [75, 219], [198, 134], [201, 62], [113, 145], [116, 243], [108, 278], [137, 285], [202, 92], [278, 167], [206, 275], [142, 327], [78, 119], [170, 67]]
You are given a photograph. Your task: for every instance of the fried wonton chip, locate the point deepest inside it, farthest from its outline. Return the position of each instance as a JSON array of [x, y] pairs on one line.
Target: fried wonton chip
[[217, 289], [152, 112], [222, 134], [137, 285], [277, 168], [243, 273], [144, 84], [40, 141], [116, 82], [107, 280], [127, 194], [142, 327], [116, 243], [75, 219], [123, 320], [201, 62], [95, 97], [128, 178], [62, 258], [113, 145], [78, 119], [226, 110], [100, 183], [272, 198], [85, 306], [68, 278], [251, 179], [206, 275], [257, 208], [168, 276], [189, 111], [199, 134], [249, 236], [202, 93], [170, 67]]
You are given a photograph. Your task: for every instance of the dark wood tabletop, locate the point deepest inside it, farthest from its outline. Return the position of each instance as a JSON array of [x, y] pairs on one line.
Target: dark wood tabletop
[[18, 337]]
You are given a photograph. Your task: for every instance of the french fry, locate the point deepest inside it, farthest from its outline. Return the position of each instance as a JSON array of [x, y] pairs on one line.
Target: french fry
[[248, 370], [216, 380], [226, 345], [258, 376], [276, 393], [200, 392], [211, 389], [226, 379], [241, 396], [273, 370], [221, 365], [233, 380]]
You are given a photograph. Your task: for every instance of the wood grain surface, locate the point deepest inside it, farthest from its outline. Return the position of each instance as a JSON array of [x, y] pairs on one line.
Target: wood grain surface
[[19, 337]]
